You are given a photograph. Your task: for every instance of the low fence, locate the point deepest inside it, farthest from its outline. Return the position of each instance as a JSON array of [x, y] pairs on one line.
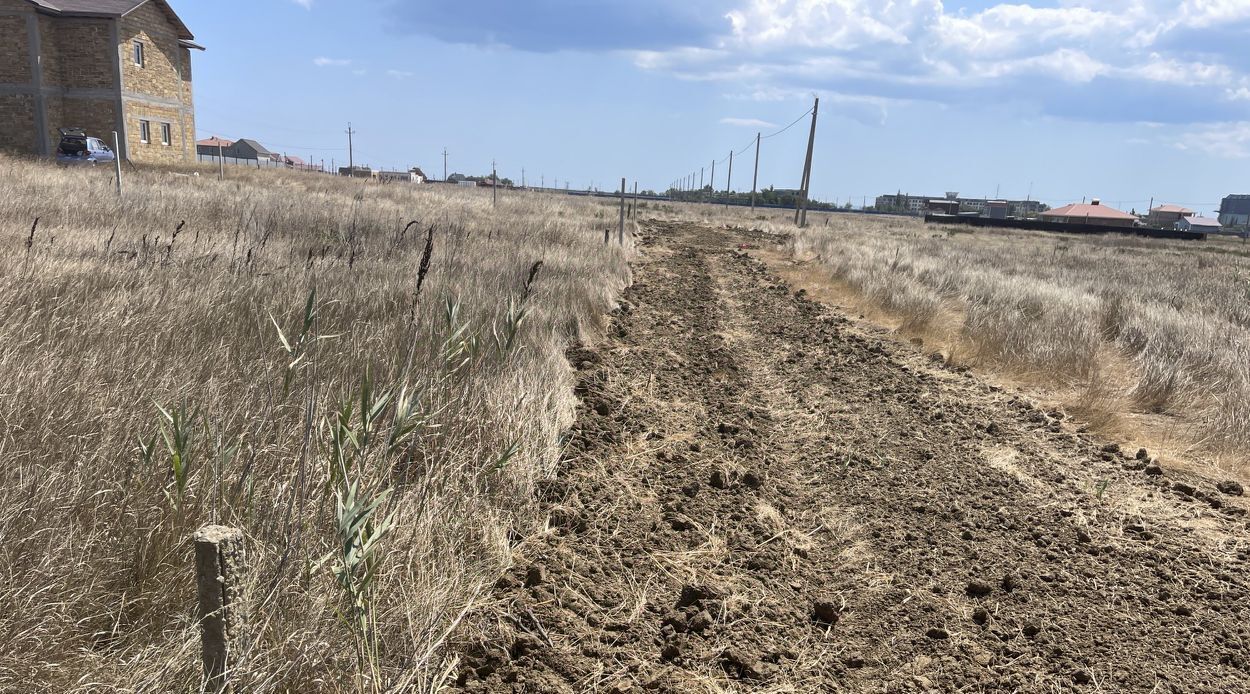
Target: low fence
[[1064, 227], [253, 163]]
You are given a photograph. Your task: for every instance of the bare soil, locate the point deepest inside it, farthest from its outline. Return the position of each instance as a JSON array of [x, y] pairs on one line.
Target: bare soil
[[762, 495]]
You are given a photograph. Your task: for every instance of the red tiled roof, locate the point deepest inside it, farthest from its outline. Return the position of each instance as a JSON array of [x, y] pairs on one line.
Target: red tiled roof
[[1079, 210], [1176, 209], [1203, 222], [215, 141]]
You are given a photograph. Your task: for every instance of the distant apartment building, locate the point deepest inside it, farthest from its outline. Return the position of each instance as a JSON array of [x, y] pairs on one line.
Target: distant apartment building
[[99, 65], [901, 203], [1235, 211]]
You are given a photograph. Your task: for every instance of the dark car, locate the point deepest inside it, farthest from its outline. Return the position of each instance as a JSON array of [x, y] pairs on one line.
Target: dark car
[[77, 148]]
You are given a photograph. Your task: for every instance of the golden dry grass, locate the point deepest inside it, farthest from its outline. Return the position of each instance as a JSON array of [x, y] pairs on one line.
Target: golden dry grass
[[107, 316], [1141, 337]]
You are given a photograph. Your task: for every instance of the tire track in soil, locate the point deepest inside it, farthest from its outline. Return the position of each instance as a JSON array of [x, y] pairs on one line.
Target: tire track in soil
[[759, 495]]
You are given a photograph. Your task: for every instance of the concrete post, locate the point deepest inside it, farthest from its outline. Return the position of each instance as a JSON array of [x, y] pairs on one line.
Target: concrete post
[[218, 577]]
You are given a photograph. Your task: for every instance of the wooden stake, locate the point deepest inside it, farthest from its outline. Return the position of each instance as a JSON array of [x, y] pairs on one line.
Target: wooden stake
[[117, 162], [620, 234]]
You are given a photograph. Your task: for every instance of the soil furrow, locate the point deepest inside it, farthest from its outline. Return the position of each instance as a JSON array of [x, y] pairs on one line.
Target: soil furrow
[[760, 495]]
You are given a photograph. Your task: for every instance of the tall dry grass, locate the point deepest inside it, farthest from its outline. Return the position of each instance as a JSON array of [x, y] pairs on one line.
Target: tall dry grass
[[1158, 328], [256, 353]]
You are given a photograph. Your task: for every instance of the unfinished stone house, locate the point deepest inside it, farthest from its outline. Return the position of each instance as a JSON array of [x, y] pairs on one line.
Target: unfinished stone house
[[100, 65]]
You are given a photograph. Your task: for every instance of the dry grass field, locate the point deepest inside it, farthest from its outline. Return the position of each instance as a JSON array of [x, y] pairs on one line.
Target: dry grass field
[[269, 353], [1145, 339]]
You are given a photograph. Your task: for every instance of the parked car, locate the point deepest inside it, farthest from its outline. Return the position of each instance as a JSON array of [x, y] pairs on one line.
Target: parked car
[[77, 148]]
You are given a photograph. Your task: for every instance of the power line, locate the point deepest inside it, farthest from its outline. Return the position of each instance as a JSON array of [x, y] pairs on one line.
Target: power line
[[796, 122]]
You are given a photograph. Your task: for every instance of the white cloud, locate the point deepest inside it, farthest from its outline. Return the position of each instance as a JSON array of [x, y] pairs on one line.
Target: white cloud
[[306, 4], [331, 62], [1223, 140], [1048, 56], [748, 122], [399, 74]]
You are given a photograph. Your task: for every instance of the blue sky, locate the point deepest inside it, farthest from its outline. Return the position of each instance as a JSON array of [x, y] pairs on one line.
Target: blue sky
[[1124, 100]]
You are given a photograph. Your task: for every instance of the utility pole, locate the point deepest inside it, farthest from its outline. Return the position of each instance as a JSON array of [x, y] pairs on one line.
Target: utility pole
[[701, 177], [800, 212], [444, 165], [713, 179], [635, 208], [221, 161], [494, 184], [756, 178], [351, 160], [522, 177], [729, 180]]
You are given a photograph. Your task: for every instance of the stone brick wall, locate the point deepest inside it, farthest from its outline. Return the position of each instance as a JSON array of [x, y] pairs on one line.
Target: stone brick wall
[[97, 116], [153, 151], [160, 75], [76, 52], [17, 123], [14, 50]]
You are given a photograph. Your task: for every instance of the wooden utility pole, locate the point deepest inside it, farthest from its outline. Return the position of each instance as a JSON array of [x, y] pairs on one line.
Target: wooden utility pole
[[351, 158], [701, 168], [800, 211], [494, 184], [729, 180], [635, 210], [221, 161], [755, 179], [444, 165]]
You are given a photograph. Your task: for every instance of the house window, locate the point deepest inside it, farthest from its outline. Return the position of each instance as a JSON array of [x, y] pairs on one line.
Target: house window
[[139, 53], [145, 131], [166, 135]]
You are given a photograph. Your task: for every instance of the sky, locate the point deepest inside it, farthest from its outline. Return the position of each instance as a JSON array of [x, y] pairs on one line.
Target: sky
[[1124, 100]]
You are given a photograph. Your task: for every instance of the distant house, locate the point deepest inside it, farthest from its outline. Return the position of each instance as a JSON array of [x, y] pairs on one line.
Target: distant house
[[1202, 225], [950, 207], [1235, 211], [249, 149], [212, 145], [1166, 216], [1092, 213], [418, 175], [357, 172], [104, 66]]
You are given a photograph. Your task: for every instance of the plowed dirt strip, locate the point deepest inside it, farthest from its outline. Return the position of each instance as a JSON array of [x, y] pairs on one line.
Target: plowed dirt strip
[[762, 496]]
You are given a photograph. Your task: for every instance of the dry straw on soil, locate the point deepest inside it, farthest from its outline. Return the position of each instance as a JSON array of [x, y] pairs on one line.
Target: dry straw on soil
[[1148, 336], [166, 363]]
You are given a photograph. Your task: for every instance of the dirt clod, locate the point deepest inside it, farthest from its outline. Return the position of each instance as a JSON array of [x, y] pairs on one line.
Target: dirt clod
[[1153, 469], [938, 633], [978, 589], [1230, 488], [826, 612], [535, 576]]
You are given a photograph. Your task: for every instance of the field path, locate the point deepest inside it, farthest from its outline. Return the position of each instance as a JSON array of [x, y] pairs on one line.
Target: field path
[[761, 495]]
